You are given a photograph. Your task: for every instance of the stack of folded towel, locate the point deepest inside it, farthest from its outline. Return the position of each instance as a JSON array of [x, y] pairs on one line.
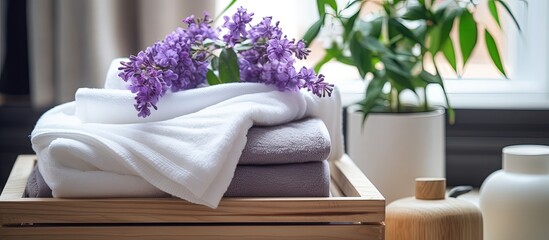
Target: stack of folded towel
[[239, 139], [279, 161]]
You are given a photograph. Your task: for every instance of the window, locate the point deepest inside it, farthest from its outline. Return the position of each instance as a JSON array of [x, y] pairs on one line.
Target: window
[[525, 55]]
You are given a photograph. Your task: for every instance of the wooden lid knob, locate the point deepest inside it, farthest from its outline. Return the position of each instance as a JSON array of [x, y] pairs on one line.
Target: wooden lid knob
[[430, 188]]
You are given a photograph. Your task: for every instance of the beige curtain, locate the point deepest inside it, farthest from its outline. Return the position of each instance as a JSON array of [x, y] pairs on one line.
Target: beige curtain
[[72, 42]]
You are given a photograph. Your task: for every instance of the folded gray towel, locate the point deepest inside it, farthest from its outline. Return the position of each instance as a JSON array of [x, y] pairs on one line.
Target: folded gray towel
[[309, 179], [300, 141], [36, 186]]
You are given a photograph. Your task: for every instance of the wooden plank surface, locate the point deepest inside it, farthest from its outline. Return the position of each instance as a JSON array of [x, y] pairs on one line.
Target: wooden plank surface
[[362, 203], [352, 181], [17, 181], [328, 231]]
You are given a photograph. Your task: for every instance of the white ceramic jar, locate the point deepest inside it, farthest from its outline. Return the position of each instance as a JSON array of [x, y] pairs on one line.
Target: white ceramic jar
[[515, 200], [393, 149]]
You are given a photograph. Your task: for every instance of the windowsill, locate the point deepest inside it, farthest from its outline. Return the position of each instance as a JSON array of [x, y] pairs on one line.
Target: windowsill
[[503, 96]]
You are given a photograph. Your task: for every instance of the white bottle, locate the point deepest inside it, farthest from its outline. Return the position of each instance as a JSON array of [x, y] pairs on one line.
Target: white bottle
[[515, 200]]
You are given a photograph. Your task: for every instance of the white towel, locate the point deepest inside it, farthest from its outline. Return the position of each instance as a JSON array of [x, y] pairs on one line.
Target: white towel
[[189, 148]]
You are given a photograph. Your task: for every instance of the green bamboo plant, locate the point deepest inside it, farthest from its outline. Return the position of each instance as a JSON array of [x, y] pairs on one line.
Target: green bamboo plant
[[391, 47]]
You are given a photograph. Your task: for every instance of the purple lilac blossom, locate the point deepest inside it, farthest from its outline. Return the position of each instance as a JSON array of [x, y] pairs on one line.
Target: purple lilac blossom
[[264, 30], [181, 60], [168, 64], [237, 28]]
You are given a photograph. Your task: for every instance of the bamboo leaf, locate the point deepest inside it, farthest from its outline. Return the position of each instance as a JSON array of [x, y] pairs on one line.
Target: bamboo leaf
[[404, 31], [373, 93], [429, 78], [360, 55], [494, 53], [224, 10], [373, 44], [332, 4], [510, 13], [434, 39], [415, 12], [467, 35], [215, 63], [351, 3], [450, 54], [348, 26], [320, 8], [228, 66], [313, 31], [494, 11], [212, 78], [448, 23], [401, 77], [345, 60]]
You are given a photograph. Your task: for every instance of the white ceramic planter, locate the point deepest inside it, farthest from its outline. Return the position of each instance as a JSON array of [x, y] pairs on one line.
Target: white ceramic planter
[[515, 200], [395, 149]]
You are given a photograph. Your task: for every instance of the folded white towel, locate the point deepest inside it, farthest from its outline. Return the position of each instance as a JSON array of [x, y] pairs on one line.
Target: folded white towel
[[189, 148]]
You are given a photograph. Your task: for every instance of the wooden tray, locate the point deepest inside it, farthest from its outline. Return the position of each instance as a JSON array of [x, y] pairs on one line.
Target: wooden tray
[[356, 211]]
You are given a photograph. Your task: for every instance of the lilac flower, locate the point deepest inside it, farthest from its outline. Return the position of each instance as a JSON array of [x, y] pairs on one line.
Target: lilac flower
[[314, 83], [199, 29], [301, 52], [279, 49], [181, 60], [237, 28], [168, 64], [264, 30]]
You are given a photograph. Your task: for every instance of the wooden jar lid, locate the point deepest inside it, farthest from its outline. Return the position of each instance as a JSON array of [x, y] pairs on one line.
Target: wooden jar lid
[[430, 188]]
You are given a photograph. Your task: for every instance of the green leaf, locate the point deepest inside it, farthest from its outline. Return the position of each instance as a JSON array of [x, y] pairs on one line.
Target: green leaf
[[450, 54], [214, 63], [212, 78], [400, 76], [510, 13], [494, 11], [429, 78], [351, 3], [348, 26], [434, 39], [228, 66], [415, 12], [441, 32], [467, 35], [370, 28], [374, 45], [225, 9], [404, 31], [313, 31], [493, 50], [373, 94], [448, 23], [320, 8], [332, 4], [360, 55], [345, 60]]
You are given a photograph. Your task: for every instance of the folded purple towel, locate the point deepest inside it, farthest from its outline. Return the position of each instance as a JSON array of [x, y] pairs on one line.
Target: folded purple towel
[[309, 179], [300, 141]]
